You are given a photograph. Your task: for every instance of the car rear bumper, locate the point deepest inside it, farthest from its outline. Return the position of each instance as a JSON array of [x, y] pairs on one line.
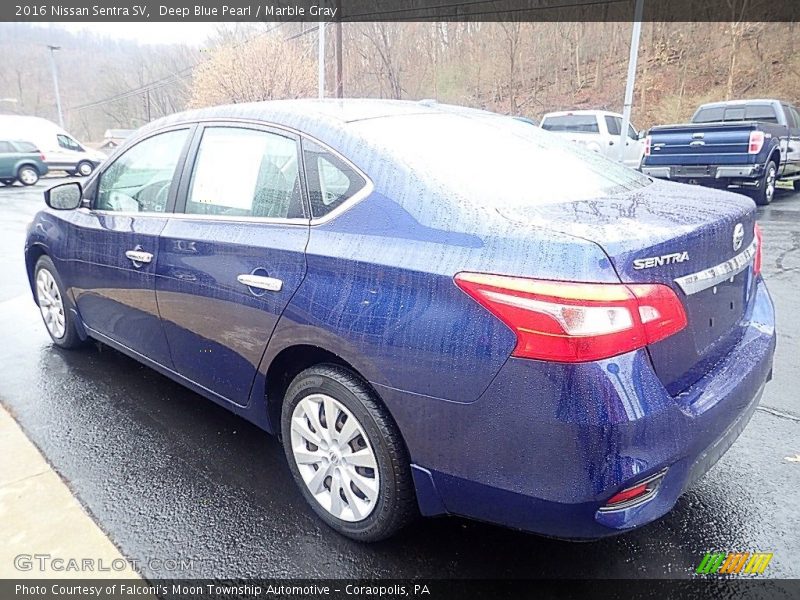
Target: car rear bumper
[[546, 445], [701, 172]]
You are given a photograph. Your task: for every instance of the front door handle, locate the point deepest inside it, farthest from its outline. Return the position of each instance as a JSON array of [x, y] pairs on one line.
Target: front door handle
[[139, 257], [259, 282]]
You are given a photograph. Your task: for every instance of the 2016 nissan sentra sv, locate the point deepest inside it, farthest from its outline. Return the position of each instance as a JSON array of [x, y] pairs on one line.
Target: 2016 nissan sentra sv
[[438, 309]]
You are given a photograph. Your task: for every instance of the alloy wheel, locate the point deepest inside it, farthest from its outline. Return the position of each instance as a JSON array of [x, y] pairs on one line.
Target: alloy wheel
[[28, 176], [335, 458], [769, 183], [50, 303]]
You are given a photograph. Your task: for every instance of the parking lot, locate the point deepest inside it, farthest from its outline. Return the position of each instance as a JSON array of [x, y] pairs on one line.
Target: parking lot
[[171, 476]]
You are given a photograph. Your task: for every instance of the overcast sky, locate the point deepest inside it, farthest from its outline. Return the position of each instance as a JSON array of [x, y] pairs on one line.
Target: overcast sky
[[147, 33]]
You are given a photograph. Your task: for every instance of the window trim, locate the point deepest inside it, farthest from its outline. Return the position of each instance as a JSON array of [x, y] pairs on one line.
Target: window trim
[[94, 182], [189, 155], [359, 195]]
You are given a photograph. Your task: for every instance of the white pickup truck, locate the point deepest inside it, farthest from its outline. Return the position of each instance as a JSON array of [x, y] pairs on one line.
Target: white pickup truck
[[597, 130]]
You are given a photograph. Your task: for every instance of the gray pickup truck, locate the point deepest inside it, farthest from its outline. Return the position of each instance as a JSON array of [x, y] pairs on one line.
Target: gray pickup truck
[[745, 144]]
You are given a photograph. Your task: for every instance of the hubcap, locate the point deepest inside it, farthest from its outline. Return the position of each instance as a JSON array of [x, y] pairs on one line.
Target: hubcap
[[50, 303], [770, 189], [27, 176], [334, 457]]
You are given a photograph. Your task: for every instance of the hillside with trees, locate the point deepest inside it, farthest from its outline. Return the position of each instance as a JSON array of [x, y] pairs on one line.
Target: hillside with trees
[[514, 68]]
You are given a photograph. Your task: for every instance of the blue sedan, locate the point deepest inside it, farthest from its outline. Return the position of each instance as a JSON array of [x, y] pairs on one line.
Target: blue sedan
[[439, 310]]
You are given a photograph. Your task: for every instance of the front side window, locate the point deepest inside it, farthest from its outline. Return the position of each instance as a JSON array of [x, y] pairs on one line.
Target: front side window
[[67, 142], [140, 180], [331, 181], [245, 173]]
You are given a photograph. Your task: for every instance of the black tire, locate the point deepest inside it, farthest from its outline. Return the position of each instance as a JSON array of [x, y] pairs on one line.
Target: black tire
[[70, 339], [796, 185], [84, 168], [766, 185], [27, 175], [395, 505]]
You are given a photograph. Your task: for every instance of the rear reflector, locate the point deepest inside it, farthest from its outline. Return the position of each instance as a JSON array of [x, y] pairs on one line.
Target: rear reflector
[[759, 243], [576, 322], [635, 494], [756, 142]]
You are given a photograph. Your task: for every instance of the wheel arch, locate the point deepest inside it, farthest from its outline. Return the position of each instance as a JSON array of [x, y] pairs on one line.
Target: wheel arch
[[32, 256], [290, 362], [27, 163]]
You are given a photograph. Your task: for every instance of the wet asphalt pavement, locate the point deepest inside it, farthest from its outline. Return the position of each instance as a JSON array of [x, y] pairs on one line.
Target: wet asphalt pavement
[[170, 475]]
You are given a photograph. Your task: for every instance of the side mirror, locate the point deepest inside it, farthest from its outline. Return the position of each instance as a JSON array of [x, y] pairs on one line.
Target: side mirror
[[66, 196], [642, 134]]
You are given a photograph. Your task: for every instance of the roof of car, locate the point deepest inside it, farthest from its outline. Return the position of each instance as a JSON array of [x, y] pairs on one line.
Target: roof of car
[[740, 102], [342, 111]]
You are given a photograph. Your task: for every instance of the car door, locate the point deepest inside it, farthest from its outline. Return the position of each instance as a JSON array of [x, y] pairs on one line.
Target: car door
[[634, 148], [231, 260], [114, 243]]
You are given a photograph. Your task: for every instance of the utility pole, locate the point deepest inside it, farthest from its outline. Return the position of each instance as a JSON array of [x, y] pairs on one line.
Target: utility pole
[[338, 52], [632, 60], [55, 83], [321, 62]]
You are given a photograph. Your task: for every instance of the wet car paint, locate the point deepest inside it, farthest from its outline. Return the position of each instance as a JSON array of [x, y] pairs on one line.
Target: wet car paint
[[383, 300], [168, 474]]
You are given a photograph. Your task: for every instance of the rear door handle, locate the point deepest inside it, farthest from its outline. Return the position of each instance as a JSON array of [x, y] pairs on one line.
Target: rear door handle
[[139, 257], [259, 282]]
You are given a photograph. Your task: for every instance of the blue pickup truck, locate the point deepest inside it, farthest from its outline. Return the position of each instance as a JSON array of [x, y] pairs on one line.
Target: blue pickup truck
[[748, 145]]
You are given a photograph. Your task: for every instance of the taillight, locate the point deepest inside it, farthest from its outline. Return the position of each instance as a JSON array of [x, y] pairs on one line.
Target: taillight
[[41, 156], [577, 322], [648, 140], [756, 142], [759, 243]]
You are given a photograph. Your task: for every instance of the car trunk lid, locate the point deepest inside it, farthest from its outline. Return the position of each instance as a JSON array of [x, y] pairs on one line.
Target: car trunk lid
[[672, 234]]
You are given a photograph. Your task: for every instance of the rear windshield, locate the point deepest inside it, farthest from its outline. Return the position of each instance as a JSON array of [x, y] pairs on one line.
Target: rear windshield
[[575, 123], [749, 112], [497, 161]]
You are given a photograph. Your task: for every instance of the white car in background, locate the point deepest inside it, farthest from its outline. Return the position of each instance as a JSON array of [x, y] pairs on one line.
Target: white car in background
[[597, 130], [60, 150]]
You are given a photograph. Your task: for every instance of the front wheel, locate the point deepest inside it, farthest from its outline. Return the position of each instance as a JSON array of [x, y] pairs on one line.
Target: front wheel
[[766, 187], [346, 454], [54, 305], [27, 175], [796, 185]]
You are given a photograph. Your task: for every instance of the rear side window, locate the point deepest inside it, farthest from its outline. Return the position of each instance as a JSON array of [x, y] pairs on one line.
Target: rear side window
[[613, 124], [26, 147], [140, 179], [331, 181], [5, 148], [245, 173], [574, 123]]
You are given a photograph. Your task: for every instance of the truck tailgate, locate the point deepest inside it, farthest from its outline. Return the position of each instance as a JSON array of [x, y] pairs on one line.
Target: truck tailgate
[[701, 144]]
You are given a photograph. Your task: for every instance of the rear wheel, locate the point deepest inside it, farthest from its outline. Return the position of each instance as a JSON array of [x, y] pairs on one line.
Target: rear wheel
[[54, 305], [766, 187], [796, 184], [84, 168], [27, 175], [346, 454]]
